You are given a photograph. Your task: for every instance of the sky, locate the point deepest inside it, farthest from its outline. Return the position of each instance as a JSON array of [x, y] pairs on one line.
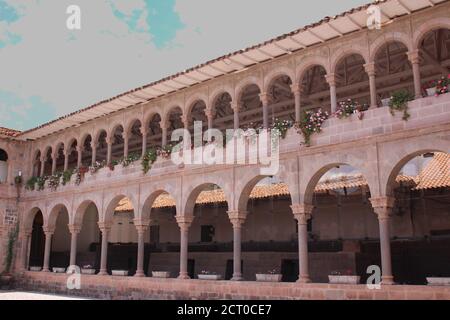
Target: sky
[[47, 70]]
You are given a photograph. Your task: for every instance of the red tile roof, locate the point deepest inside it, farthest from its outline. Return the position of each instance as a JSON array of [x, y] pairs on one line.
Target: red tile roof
[[9, 132]]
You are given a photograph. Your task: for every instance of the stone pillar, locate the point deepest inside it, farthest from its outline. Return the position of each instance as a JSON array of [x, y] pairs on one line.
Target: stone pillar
[[74, 231], [331, 79], [105, 229], [184, 222], [186, 137], [383, 209], [79, 156], [94, 152], [264, 97], [43, 158], [109, 141], [302, 213], [141, 227], [236, 107], [26, 237], [237, 219], [296, 90], [144, 140], [54, 158], [125, 138], [414, 58], [48, 248], [210, 116], [164, 128], [370, 69], [66, 159]]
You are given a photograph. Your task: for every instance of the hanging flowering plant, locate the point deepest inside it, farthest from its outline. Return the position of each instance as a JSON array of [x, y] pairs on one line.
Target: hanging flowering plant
[[347, 108], [31, 183], [53, 181], [165, 151], [148, 159], [80, 172], [97, 166], [126, 161], [282, 126], [442, 85], [41, 182], [399, 102], [310, 123], [66, 176]]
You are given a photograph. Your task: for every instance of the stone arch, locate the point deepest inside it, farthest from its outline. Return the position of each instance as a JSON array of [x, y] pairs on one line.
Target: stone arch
[[112, 201], [190, 103], [169, 111], [129, 124], [54, 212], [114, 127], [308, 63], [98, 133], [217, 93], [80, 209], [149, 116], [153, 191], [344, 52], [275, 74], [30, 213], [243, 84], [194, 191], [384, 39], [423, 29]]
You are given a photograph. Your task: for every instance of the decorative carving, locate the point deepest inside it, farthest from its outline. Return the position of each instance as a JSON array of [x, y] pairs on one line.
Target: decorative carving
[[370, 69], [302, 212], [74, 229], [237, 218], [184, 222], [383, 206], [414, 56]]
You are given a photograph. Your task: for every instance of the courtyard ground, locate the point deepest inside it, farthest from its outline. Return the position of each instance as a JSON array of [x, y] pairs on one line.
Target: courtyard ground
[[20, 295]]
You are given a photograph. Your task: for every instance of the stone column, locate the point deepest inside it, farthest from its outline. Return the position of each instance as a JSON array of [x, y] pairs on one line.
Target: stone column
[[125, 138], [43, 158], [48, 248], [302, 213], [164, 128], [414, 58], [79, 156], [105, 229], [184, 222], [144, 140], [54, 158], [141, 227], [383, 209], [296, 90], [236, 108], [94, 152], [210, 116], [331, 79], [237, 219], [74, 231], [370, 69], [66, 159], [109, 153], [264, 97], [26, 237]]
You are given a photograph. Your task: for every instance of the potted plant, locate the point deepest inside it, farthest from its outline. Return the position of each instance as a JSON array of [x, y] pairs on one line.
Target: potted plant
[[347, 278], [399, 102], [148, 160], [270, 276], [208, 275], [35, 268], [87, 269], [310, 123], [161, 274], [121, 273], [385, 102], [282, 126], [442, 85], [438, 281], [30, 184], [59, 270]]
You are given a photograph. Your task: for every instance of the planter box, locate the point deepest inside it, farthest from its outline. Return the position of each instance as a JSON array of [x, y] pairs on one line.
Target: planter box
[[59, 270], [431, 91], [161, 274], [88, 271], [122, 273], [214, 277], [268, 277], [344, 279], [385, 102], [438, 281], [35, 268]]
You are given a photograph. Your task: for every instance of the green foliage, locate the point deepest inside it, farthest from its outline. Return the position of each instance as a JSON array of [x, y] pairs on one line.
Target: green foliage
[[149, 158], [399, 102], [12, 238], [310, 123], [41, 182], [126, 161], [31, 183], [66, 176]]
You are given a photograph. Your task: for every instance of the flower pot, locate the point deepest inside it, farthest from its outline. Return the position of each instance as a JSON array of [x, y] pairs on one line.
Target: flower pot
[[88, 271], [161, 274], [344, 279], [59, 270], [434, 281], [215, 277], [122, 273], [385, 102], [268, 277], [35, 268], [431, 91]]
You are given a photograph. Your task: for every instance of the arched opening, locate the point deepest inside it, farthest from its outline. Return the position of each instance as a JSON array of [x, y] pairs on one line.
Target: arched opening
[[37, 246], [174, 121], [281, 103], [86, 159], [72, 153], [198, 113], [37, 164], [117, 143], [154, 135], [251, 111], [122, 248], [352, 81], [435, 56], [59, 158], [421, 217], [315, 90], [223, 113], [343, 230], [102, 147], [48, 162], [135, 138], [269, 234], [3, 166], [393, 70], [162, 245], [60, 248], [89, 238]]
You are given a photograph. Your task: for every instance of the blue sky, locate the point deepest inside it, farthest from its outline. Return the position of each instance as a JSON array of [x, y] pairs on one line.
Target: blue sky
[[47, 71]]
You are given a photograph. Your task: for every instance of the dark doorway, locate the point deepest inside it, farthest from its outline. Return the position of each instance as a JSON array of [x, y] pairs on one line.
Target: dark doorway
[[37, 242], [289, 270], [230, 269], [191, 268]]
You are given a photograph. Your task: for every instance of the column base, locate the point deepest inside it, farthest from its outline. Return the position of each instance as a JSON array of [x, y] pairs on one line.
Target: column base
[[46, 270], [102, 273], [139, 274], [387, 280], [304, 279], [237, 277], [183, 276]]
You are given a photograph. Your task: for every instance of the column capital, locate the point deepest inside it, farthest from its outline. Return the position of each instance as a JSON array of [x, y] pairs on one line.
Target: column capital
[[236, 106], [383, 206], [104, 226], [109, 139], [370, 69], [331, 79], [49, 231], [74, 228], [125, 135], [141, 225], [302, 212], [27, 232], [414, 56], [296, 88], [185, 119], [209, 113], [93, 145], [237, 218], [80, 148], [144, 130], [264, 97], [184, 222]]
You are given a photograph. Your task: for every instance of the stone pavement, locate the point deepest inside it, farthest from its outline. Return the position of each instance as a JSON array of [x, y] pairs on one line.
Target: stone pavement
[[19, 295]]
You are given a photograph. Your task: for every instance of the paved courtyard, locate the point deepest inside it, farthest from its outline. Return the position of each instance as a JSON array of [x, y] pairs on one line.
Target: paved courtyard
[[19, 295]]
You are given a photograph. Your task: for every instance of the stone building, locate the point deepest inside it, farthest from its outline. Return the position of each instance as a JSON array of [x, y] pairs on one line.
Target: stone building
[[370, 189]]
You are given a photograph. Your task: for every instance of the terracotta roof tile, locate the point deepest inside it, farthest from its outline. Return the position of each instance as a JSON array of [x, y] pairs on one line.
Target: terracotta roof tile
[[9, 132]]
